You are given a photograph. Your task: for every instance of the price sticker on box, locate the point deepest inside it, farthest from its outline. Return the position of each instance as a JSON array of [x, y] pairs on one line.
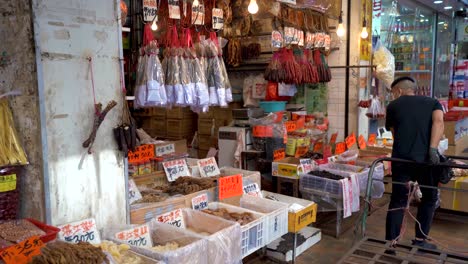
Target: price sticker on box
[[253, 190], [81, 231], [23, 252], [175, 169], [133, 192], [162, 150], [362, 142], [200, 202], [340, 148], [230, 186], [141, 153], [174, 218], [301, 151], [350, 140], [307, 165], [208, 167], [372, 139], [279, 154], [7, 183], [138, 236]]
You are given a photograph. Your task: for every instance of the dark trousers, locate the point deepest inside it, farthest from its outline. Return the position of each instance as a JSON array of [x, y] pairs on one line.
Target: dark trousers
[[399, 199]]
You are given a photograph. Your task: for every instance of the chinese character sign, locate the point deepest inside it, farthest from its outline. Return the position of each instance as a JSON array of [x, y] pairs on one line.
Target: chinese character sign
[[208, 167], [253, 190], [174, 218], [165, 149], [200, 202], [23, 252], [141, 153], [175, 169], [138, 236], [150, 10], [230, 186], [81, 231]]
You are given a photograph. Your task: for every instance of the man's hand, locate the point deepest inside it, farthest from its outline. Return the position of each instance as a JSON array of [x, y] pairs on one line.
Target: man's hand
[[434, 156]]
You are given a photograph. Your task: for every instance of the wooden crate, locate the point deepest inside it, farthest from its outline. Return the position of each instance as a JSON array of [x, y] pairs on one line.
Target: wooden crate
[[180, 113], [209, 114]]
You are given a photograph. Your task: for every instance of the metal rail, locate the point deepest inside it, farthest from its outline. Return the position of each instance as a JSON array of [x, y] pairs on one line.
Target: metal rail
[[381, 160]]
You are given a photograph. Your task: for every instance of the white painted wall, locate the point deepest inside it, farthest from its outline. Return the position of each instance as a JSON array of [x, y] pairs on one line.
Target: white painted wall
[[80, 185]]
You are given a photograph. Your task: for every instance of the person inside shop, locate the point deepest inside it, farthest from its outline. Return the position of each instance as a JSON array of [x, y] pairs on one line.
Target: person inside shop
[[417, 124]]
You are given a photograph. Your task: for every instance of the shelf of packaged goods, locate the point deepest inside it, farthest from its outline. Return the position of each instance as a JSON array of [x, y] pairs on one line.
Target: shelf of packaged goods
[[414, 71]]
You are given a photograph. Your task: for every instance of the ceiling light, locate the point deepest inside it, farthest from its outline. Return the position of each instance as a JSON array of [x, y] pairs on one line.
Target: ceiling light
[[383, 14], [441, 22], [154, 26], [253, 7], [195, 3], [340, 31], [438, 2], [364, 33], [421, 15], [447, 7]]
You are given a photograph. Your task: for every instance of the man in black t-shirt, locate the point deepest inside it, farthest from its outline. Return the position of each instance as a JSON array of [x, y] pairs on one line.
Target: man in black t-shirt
[[417, 124]]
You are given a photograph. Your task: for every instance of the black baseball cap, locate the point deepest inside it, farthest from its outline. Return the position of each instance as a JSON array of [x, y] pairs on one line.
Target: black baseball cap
[[404, 78]]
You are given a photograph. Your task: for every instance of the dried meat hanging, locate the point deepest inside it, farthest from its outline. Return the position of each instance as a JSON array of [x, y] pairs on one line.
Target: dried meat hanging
[[140, 84], [197, 77]]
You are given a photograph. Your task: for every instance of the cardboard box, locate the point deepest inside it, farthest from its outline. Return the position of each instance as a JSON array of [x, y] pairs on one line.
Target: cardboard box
[[180, 128], [288, 167], [205, 142], [223, 113], [180, 113], [202, 153], [209, 114], [205, 126], [460, 148], [180, 146], [158, 112], [158, 178], [454, 130], [453, 200]]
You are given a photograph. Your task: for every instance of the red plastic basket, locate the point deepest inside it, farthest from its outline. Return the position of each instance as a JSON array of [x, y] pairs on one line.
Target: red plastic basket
[[51, 231]]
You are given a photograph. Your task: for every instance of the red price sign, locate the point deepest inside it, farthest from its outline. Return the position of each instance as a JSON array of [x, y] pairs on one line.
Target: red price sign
[[340, 148], [23, 252], [350, 140], [290, 126], [362, 142], [141, 153], [371, 140], [318, 147], [279, 154], [230, 186], [327, 151], [262, 131], [301, 151], [333, 138]]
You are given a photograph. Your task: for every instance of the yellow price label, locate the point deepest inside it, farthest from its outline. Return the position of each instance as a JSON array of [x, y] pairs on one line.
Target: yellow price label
[[287, 170], [8, 183]]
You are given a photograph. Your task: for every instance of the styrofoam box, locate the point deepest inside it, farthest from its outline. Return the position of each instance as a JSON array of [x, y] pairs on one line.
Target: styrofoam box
[[224, 237], [276, 215], [253, 234]]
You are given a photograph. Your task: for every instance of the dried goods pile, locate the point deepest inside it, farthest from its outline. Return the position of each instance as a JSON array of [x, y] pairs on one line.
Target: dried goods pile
[[326, 175], [18, 230], [312, 155], [188, 185], [120, 253], [151, 197], [59, 252], [241, 218]]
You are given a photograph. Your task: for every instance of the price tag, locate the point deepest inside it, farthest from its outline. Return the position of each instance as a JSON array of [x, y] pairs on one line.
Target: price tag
[[253, 190], [141, 153], [362, 142], [217, 18], [279, 154], [340, 148], [138, 236], [175, 169], [301, 151], [200, 202], [327, 151], [230, 186], [133, 192], [301, 38], [174, 218], [198, 14], [7, 183], [318, 147], [290, 126], [333, 138], [165, 149], [23, 252], [276, 39], [371, 140], [262, 131], [174, 9], [307, 165], [150, 10], [350, 140], [81, 231], [208, 167], [288, 35]]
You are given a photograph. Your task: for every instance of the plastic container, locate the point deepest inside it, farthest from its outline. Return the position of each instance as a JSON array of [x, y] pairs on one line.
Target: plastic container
[[320, 184], [253, 233], [9, 193], [273, 106], [276, 215]]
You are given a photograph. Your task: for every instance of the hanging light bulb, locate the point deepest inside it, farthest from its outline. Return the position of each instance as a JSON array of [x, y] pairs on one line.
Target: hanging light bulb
[[195, 3], [364, 33], [253, 7], [154, 26], [340, 31]]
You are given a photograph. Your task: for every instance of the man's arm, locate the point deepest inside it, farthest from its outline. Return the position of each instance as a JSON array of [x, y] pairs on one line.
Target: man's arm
[[437, 128]]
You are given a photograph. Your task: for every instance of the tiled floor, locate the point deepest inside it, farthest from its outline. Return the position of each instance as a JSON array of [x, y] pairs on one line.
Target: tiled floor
[[449, 229]]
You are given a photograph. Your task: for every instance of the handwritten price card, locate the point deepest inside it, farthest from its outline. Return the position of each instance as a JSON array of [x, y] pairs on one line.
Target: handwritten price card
[[141, 153], [198, 14], [133, 192], [174, 218], [371, 140], [318, 147], [350, 140], [138, 236], [150, 10], [217, 18], [175, 169], [165, 149], [262, 131], [253, 190], [23, 252], [307, 165], [200, 202], [81, 231], [208, 167], [362, 142], [230, 186], [174, 9], [333, 138], [279, 154]]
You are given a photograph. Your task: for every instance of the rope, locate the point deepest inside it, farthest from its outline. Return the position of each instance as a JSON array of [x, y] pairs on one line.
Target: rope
[[90, 60]]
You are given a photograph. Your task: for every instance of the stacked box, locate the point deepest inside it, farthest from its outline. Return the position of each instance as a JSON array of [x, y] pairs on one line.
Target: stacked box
[[180, 123]]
